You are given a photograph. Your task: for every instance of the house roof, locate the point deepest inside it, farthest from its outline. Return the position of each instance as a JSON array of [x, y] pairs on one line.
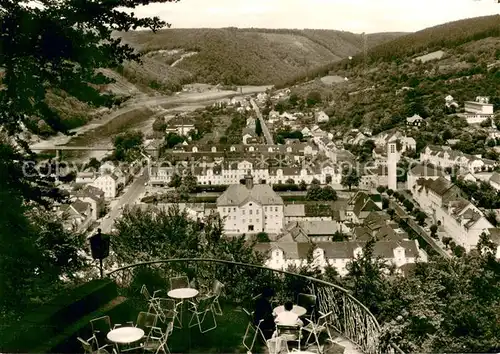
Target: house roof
[[80, 206], [495, 178], [440, 186], [238, 194], [339, 250], [426, 171]]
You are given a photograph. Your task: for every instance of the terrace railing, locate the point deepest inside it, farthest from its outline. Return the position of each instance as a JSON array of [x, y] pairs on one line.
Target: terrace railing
[[350, 318]]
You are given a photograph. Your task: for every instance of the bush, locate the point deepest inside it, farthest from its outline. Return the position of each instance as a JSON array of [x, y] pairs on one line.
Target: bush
[[263, 237], [381, 189]]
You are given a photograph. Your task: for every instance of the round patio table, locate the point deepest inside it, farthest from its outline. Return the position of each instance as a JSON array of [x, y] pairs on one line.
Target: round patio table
[[183, 293], [299, 310], [125, 335]]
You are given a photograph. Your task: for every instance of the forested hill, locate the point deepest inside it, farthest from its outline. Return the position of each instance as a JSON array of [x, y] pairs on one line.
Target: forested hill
[[449, 35], [240, 56]]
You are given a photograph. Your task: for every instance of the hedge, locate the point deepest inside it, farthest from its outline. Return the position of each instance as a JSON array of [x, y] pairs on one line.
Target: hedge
[[53, 317]]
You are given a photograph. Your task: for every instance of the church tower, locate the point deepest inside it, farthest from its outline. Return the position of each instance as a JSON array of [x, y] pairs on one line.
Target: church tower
[[393, 157]]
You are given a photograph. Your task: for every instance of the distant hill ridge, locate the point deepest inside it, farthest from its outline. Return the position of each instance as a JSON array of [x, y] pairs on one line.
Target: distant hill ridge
[[246, 56]]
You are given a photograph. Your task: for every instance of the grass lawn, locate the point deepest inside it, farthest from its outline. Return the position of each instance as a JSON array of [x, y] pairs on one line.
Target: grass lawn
[[226, 338]]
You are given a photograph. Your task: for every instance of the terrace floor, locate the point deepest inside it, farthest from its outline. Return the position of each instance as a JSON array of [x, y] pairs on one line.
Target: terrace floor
[[228, 336]]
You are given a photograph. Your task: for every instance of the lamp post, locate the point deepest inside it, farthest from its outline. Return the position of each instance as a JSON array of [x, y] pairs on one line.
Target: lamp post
[[99, 246]]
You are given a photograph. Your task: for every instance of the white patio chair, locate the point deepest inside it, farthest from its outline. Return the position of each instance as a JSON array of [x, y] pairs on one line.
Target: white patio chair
[[167, 312], [200, 310], [217, 290], [315, 329], [90, 346], [256, 331], [157, 340], [289, 333]]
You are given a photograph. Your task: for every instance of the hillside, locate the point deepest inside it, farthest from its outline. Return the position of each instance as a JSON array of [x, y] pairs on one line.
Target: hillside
[[449, 35], [237, 56], [382, 92]]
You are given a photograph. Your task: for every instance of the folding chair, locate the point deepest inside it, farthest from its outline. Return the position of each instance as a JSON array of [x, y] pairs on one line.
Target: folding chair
[[315, 329], [156, 342], [217, 290], [251, 326], [149, 298], [276, 345], [167, 312], [200, 311], [308, 301], [290, 333], [90, 344], [179, 282], [101, 326]]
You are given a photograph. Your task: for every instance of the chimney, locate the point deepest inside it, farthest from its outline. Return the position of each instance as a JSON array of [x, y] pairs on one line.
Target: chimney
[[249, 181]]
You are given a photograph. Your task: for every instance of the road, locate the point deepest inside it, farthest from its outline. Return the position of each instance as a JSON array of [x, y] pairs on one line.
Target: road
[[267, 135], [128, 198], [418, 229]]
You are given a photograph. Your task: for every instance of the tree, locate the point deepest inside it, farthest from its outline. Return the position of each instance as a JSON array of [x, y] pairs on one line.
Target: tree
[[350, 178], [381, 189], [258, 127], [172, 139], [434, 229], [94, 164], [290, 181], [223, 140], [128, 145], [263, 237], [175, 181], [385, 203], [408, 205], [293, 99], [159, 124], [315, 181], [314, 192], [328, 193], [420, 217], [303, 185], [313, 98], [390, 192], [57, 46], [190, 182]]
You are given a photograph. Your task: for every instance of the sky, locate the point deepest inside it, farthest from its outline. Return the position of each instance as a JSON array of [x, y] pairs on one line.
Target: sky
[[348, 15]]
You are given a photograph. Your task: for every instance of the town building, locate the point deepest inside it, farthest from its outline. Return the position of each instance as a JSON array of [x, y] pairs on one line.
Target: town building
[[76, 216], [251, 208], [321, 117], [108, 183], [442, 200], [415, 121], [479, 110], [93, 196], [423, 171], [282, 255], [444, 157]]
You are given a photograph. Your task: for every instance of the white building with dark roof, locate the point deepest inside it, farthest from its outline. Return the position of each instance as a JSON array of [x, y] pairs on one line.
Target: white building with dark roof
[[282, 255], [423, 171], [442, 200], [108, 183], [479, 110], [250, 209]]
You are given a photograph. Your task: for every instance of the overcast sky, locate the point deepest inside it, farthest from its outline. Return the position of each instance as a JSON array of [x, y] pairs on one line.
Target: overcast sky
[[349, 15]]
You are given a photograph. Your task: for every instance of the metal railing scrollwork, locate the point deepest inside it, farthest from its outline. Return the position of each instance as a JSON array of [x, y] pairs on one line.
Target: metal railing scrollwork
[[350, 318]]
